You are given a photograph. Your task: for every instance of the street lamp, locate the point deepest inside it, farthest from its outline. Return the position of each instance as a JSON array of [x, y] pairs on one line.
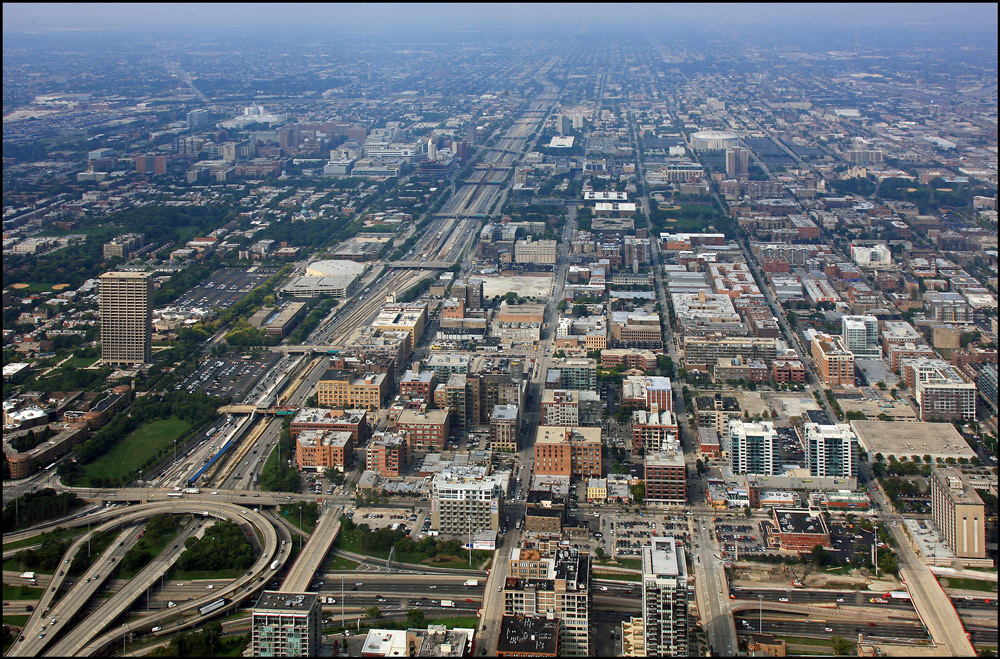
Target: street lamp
[[760, 614]]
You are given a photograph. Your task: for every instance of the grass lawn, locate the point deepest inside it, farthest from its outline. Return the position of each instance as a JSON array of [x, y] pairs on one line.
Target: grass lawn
[[352, 542], [58, 534], [969, 584], [81, 362], [19, 564], [154, 549], [334, 562], [15, 620], [618, 576], [799, 640], [22, 592], [630, 563], [142, 443], [469, 622]]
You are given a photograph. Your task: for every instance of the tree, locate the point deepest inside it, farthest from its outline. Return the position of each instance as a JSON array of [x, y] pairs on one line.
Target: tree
[[373, 613], [887, 561], [415, 619], [639, 491], [580, 310], [841, 646], [700, 466], [746, 511], [600, 552]]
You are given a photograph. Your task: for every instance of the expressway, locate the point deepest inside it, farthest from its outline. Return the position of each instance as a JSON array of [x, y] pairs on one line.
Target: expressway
[[35, 639], [70, 644]]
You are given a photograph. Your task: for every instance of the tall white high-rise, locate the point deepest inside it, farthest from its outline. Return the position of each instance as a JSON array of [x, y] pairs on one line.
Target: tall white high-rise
[[664, 598], [830, 450], [126, 317], [860, 334], [432, 149], [753, 448]]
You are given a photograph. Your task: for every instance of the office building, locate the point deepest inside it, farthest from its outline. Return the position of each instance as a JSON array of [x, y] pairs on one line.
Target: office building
[[942, 391], [568, 451], [567, 407], [651, 431], [427, 430], [465, 500], [706, 351], [664, 598], [342, 388], [528, 636], [753, 448], [503, 428], [197, 118], [313, 418], [123, 246], [319, 449], [834, 361], [126, 318], [559, 588], [737, 162], [631, 329], [860, 335], [388, 454], [572, 373], [539, 252], [800, 530], [286, 625], [406, 316], [665, 474], [830, 450], [958, 513]]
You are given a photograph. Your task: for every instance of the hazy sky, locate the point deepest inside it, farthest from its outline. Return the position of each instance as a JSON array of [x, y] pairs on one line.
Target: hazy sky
[[203, 17]]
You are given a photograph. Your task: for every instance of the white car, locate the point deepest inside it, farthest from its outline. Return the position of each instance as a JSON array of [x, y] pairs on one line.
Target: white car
[[782, 599]]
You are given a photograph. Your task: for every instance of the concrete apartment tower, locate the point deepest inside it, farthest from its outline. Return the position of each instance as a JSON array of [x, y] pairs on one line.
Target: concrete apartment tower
[[126, 317]]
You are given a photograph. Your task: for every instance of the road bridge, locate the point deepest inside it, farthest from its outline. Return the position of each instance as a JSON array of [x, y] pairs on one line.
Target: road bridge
[[311, 557], [186, 613]]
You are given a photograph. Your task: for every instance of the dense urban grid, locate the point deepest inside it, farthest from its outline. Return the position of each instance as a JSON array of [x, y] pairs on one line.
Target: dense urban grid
[[460, 345]]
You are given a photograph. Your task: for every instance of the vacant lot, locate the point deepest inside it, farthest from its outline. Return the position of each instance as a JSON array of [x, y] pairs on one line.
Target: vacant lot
[[525, 286], [142, 443]]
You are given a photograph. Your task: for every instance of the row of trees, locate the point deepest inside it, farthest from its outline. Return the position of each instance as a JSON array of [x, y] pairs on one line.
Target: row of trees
[[278, 475], [35, 507]]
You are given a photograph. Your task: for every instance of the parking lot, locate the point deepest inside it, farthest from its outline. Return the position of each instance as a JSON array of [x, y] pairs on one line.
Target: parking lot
[[627, 534], [224, 288], [791, 448], [415, 523], [748, 535], [229, 377]]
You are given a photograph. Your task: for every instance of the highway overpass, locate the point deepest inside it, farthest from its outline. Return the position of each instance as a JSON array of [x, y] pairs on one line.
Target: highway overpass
[[311, 557]]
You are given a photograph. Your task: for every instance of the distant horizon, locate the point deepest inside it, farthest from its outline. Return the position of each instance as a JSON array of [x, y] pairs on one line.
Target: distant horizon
[[54, 18]]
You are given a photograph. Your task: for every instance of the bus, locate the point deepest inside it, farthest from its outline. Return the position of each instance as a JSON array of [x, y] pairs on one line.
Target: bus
[[214, 606], [50, 466]]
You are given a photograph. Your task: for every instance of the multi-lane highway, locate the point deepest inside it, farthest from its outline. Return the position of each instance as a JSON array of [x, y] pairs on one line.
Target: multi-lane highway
[[38, 632]]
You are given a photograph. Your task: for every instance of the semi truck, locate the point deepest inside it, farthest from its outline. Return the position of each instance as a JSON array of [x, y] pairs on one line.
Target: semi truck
[[448, 603], [191, 490], [471, 583]]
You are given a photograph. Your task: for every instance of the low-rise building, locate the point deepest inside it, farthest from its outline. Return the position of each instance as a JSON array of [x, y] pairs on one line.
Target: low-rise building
[[319, 449], [568, 451], [427, 430]]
